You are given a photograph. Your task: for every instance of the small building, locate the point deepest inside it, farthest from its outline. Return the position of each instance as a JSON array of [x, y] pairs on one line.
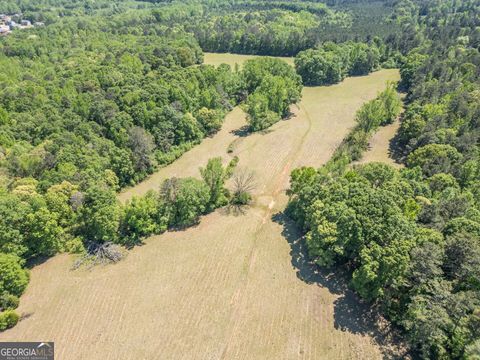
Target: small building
[[25, 23]]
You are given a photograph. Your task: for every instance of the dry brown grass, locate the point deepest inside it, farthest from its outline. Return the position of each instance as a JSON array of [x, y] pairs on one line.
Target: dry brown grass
[[233, 287]]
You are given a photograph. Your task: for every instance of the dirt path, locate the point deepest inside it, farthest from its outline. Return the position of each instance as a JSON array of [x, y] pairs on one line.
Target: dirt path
[[234, 287]]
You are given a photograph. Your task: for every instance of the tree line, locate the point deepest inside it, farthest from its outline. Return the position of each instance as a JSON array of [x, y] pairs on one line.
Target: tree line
[[381, 111], [140, 104], [276, 28], [273, 32], [331, 63], [410, 238]]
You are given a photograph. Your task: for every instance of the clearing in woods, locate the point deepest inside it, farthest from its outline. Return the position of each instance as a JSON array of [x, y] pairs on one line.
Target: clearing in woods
[[233, 287], [232, 59], [381, 145]]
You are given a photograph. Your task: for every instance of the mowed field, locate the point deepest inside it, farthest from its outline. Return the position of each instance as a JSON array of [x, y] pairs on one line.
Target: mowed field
[[232, 59], [237, 286]]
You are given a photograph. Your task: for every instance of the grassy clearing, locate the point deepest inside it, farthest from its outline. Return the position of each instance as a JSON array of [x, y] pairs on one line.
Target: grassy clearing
[[232, 59], [380, 146], [234, 287]]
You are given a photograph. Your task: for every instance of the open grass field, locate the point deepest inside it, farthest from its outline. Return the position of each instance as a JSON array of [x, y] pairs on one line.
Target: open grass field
[[232, 59], [237, 286]]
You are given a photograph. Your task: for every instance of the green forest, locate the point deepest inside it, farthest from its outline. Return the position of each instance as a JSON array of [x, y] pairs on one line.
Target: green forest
[[105, 93]]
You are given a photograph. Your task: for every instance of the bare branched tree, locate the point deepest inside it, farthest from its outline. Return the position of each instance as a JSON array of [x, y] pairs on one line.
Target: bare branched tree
[[244, 181], [243, 184]]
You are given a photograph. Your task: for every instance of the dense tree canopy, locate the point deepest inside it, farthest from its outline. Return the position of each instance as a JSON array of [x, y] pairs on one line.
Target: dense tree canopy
[[273, 86], [331, 63], [423, 269], [124, 111], [277, 27]]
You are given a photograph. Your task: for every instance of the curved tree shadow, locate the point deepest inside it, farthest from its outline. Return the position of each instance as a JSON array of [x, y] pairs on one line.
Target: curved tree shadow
[[36, 261], [396, 151], [243, 131], [350, 313]]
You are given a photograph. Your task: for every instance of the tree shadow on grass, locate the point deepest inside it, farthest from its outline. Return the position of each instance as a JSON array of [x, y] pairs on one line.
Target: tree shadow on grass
[[243, 131], [350, 313], [36, 261], [235, 210], [291, 115], [305, 269], [395, 150], [25, 316]]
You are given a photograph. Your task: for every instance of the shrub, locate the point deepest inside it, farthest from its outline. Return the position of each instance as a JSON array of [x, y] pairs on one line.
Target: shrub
[[8, 319], [8, 301], [75, 246], [185, 200], [141, 217], [13, 278], [231, 167], [241, 198], [165, 158]]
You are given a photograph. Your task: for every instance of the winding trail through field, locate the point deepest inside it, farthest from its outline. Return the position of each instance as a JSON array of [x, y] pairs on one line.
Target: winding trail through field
[[237, 286]]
